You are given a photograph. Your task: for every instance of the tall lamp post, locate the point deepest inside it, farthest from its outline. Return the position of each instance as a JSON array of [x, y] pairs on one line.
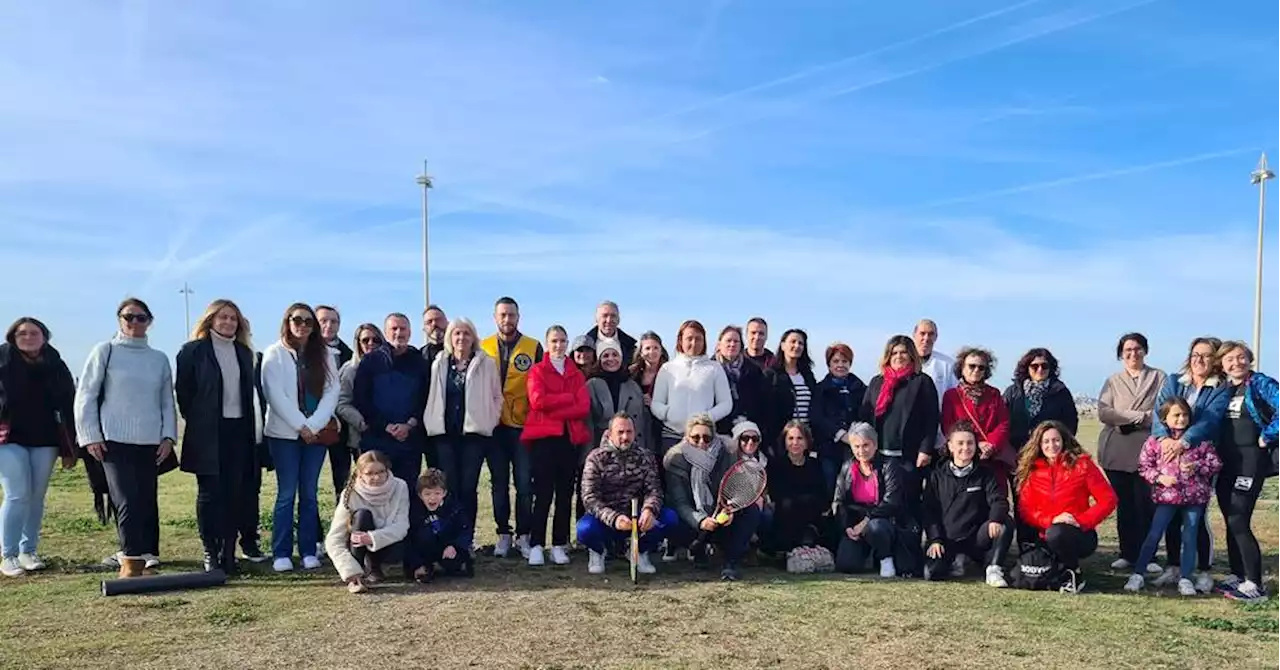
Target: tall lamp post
[[424, 180], [1259, 177], [186, 302]]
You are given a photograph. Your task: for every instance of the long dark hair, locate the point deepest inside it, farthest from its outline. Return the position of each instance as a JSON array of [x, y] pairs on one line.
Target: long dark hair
[[636, 370], [780, 359], [1020, 372], [313, 352]]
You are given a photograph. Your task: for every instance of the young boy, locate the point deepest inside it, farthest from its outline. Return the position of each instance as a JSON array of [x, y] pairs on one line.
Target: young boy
[[437, 536]]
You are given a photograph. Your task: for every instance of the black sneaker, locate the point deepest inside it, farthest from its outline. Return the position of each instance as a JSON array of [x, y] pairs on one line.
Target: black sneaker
[[700, 559], [426, 577], [730, 572], [253, 554], [1072, 582], [469, 569]]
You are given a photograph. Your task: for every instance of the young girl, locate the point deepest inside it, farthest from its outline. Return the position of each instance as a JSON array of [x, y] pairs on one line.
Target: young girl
[[371, 519], [1179, 485]]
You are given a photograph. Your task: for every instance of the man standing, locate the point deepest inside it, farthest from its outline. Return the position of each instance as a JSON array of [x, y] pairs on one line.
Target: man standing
[[515, 354], [939, 367], [607, 331], [340, 456], [434, 322], [757, 336], [390, 392]]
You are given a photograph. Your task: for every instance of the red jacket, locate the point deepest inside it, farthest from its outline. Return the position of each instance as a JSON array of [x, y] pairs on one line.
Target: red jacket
[[991, 417], [557, 400], [1054, 488]]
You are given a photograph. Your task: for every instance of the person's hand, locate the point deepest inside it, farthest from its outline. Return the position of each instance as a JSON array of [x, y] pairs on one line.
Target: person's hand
[[1187, 467], [986, 449], [1166, 480], [96, 450], [1170, 449], [708, 524], [994, 529], [858, 529], [623, 522], [647, 520], [922, 459], [307, 435], [934, 551], [1262, 442], [648, 400], [1067, 518], [163, 451], [449, 553], [360, 539], [851, 533], [68, 462]]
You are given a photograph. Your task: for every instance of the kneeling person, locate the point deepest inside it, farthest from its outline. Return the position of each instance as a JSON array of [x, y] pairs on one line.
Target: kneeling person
[[616, 473], [966, 516], [371, 519], [441, 537], [868, 502]]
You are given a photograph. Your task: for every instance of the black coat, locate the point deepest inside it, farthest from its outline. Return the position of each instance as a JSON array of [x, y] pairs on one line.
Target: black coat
[[891, 503], [911, 424], [752, 399], [840, 407], [954, 508], [782, 406], [199, 391], [627, 342], [1057, 405], [55, 394]]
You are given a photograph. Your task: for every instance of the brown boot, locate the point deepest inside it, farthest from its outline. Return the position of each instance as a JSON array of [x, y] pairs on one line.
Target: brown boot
[[131, 567]]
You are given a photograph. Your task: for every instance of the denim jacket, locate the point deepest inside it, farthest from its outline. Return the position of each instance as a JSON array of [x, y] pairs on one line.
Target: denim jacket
[[1210, 407]]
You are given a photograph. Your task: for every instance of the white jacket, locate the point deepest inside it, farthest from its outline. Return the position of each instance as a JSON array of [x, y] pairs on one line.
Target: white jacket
[[280, 385], [391, 523], [482, 398], [689, 385], [941, 369]]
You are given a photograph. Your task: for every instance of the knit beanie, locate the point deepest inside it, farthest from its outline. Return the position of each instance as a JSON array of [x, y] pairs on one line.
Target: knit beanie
[[742, 425], [607, 343]]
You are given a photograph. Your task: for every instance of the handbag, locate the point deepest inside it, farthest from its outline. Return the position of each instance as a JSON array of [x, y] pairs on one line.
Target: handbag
[[331, 433], [1001, 454]]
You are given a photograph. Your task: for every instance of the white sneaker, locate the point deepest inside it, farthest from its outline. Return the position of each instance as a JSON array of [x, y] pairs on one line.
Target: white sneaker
[[30, 562], [310, 563], [503, 547], [357, 587], [670, 554], [1135, 583], [1186, 588], [1170, 576], [1154, 568], [282, 565], [10, 567], [995, 577], [536, 557], [112, 561], [559, 555], [522, 543], [1120, 564], [1203, 581], [595, 563], [1248, 591], [643, 565], [151, 561], [887, 568]]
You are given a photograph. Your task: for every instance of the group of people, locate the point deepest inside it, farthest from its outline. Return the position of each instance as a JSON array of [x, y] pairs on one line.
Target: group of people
[[924, 470]]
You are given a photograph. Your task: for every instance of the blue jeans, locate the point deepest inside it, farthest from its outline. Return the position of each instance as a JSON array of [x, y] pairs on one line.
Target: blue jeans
[[460, 458], [595, 535], [1192, 515], [24, 476], [504, 455], [298, 467], [876, 542]]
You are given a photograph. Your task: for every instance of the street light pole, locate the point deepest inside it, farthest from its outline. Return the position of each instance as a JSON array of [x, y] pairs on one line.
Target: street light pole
[[1259, 177], [424, 180], [186, 302]]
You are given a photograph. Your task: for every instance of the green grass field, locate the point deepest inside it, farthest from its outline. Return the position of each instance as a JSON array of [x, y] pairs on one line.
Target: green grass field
[[511, 615]]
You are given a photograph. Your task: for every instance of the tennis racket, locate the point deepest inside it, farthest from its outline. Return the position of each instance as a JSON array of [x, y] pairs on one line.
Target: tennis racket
[[742, 486], [635, 540]]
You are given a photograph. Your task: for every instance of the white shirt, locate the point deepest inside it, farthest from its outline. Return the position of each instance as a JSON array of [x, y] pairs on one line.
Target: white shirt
[[941, 369]]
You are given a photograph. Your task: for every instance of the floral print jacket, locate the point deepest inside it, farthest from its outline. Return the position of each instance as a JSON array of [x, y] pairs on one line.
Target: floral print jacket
[[1193, 470]]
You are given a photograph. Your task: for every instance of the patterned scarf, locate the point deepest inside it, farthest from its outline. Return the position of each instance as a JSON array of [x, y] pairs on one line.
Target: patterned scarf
[[973, 391], [732, 368], [1035, 395], [701, 463], [892, 380]]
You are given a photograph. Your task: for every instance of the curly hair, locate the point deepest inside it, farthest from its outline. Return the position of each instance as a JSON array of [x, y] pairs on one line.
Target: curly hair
[[967, 351], [1021, 373], [1030, 453]]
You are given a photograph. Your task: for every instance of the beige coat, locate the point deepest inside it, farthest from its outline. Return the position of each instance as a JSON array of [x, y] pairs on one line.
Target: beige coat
[[1126, 401], [391, 520], [482, 400]]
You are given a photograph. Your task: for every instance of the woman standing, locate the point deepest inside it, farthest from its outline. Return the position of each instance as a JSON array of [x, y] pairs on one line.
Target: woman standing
[[215, 395], [841, 394], [554, 432], [464, 405], [367, 339], [793, 390], [746, 381], [37, 396], [1125, 408], [650, 358], [611, 390], [1246, 446], [902, 404], [125, 419], [689, 384], [1038, 395], [300, 380], [979, 403]]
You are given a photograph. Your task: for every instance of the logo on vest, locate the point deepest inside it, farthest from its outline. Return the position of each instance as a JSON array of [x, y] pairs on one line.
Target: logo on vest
[[523, 362]]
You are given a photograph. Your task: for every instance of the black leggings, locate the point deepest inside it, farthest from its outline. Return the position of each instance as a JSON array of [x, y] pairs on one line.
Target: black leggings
[[220, 497], [555, 465], [980, 547], [1070, 544], [1237, 497], [362, 520], [1133, 511]]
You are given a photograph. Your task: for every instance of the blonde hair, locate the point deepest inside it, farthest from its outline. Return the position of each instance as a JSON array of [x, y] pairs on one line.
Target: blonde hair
[[701, 419], [1230, 346], [205, 324], [460, 322], [365, 459]]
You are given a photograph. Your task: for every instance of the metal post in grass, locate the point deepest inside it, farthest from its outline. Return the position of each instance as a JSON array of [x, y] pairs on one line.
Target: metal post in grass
[[1259, 177], [186, 302], [424, 180]]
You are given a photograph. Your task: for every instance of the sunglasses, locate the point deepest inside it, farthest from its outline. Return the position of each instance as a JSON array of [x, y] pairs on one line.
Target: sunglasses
[[975, 366], [746, 439], [1038, 366], [302, 320], [370, 340], [700, 438], [135, 318]]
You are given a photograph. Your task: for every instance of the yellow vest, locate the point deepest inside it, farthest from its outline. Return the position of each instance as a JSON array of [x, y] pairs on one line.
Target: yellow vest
[[515, 393]]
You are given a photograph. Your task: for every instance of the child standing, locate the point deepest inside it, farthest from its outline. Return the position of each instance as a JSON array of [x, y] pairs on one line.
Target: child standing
[[1181, 484], [371, 519], [441, 536]]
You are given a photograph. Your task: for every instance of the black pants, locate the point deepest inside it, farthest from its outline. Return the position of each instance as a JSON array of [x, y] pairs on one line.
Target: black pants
[[362, 519], [1133, 512], [796, 521], [1173, 542], [555, 463], [1237, 497], [980, 547], [220, 497], [131, 479], [340, 459], [1070, 544], [876, 542], [428, 551], [249, 515]]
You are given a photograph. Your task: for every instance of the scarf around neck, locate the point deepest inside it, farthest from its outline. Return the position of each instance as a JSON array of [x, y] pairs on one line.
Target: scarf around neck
[[701, 463], [614, 381], [378, 496], [973, 392], [732, 369], [892, 380], [1035, 395]]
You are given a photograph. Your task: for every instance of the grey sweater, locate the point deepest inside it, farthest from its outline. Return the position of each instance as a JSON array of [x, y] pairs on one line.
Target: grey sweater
[[135, 394]]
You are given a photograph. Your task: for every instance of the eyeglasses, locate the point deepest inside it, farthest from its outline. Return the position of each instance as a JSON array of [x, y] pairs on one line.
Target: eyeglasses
[[746, 439], [302, 320], [700, 438], [133, 317], [1201, 357]]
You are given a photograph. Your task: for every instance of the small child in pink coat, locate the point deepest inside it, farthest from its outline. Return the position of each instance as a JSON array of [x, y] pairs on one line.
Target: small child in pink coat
[[1180, 483]]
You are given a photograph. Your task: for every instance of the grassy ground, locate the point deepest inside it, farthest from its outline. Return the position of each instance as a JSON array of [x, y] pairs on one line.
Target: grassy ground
[[514, 616]]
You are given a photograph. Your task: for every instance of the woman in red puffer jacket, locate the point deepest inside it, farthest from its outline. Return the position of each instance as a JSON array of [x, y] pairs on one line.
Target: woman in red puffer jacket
[[1062, 494], [554, 430]]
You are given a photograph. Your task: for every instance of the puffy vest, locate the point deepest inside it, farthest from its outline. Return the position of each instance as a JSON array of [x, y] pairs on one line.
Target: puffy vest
[[515, 393]]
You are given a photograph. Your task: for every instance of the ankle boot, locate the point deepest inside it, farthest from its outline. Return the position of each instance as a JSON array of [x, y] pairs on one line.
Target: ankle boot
[[131, 567]]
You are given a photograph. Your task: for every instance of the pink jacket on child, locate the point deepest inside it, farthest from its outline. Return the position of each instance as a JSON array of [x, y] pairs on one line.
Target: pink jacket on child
[[1193, 488]]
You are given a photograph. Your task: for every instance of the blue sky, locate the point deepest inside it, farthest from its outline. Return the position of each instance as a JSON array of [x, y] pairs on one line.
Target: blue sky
[[1033, 173]]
